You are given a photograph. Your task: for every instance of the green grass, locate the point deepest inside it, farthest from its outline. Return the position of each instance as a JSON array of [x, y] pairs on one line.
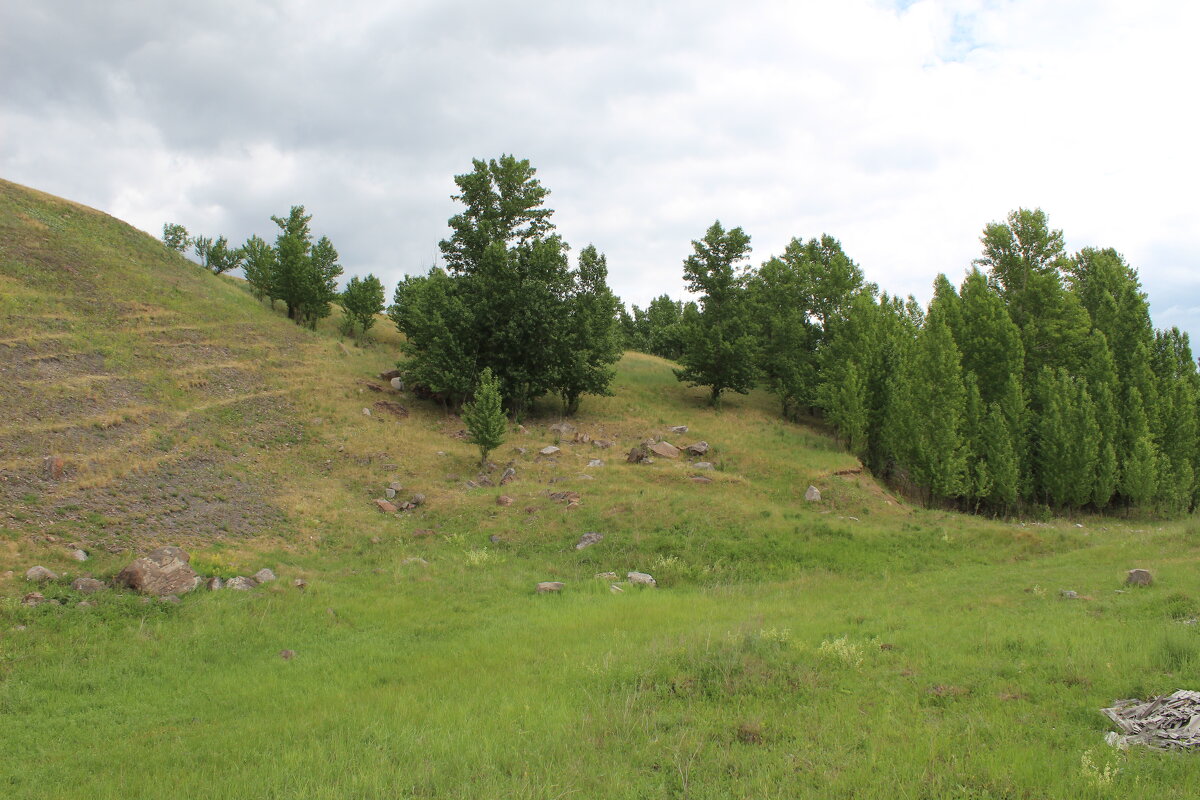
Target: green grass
[[855, 648]]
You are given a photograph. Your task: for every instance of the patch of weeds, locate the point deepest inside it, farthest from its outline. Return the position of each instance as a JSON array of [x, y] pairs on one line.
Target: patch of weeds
[[480, 557], [1175, 652], [30, 499], [843, 651], [1180, 606], [1100, 769]]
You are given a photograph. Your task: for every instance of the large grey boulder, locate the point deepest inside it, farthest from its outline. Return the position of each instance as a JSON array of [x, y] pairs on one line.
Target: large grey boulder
[[40, 574], [87, 585], [241, 583], [641, 579], [1139, 577], [812, 494], [264, 575], [697, 448], [162, 572], [550, 587], [665, 450]]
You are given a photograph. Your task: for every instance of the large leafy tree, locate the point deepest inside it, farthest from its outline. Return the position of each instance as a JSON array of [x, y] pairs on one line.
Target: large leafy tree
[[361, 300], [590, 341], [720, 346]]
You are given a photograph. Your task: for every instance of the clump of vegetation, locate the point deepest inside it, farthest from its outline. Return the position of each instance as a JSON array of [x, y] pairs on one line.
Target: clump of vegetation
[[361, 300], [484, 417]]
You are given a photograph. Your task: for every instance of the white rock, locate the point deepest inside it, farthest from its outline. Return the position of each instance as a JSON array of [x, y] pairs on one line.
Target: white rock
[[264, 575], [812, 494], [641, 579]]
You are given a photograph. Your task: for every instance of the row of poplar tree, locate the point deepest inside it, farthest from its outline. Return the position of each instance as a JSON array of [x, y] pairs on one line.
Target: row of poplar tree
[[1039, 381]]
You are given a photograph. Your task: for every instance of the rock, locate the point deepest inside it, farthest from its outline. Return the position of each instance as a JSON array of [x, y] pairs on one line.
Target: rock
[[605, 576], [615, 589], [1068, 594], [483, 480], [812, 494], [549, 450], [565, 497], [161, 572], [588, 539], [7, 574], [550, 587], [638, 455], [414, 560], [385, 507], [521, 451], [665, 450], [87, 585], [214, 584], [641, 579], [395, 486], [586, 477], [504, 500], [697, 448], [389, 492], [52, 468], [423, 532], [33, 599], [703, 465], [521, 429], [366, 412], [40, 574], [78, 555], [582, 438], [390, 374], [300, 584], [678, 429], [603, 444], [417, 500], [701, 479], [241, 583], [595, 462], [287, 655], [395, 409], [508, 477], [169, 599], [1139, 577], [397, 384], [264, 575], [562, 428]]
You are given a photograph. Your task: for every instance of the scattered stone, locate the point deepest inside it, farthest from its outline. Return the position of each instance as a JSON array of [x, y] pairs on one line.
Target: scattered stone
[[395, 486], [417, 500], [393, 408], [703, 465], [1068, 594], [390, 374], [549, 450], [163, 571], [52, 468], [603, 444], [521, 451], [40, 574], [300, 584], [87, 585], [389, 492], [562, 428], [33, 599], [423, 532], [605, 576], [366, 412], [521, 429], [169, 599], [496, 538], [595, 462], [508, 477], [582, 438], [641, 579], [264, 575], [214, 584], [588, 539], [397, 384], [697, 448], [288, 655], [615, 589], [483, 480], [665, 450], [386, 507], [678, 429], [1139, 577], [812, 494], [414, 560], [565, 497], [79, 554], [550, 587], [241, 583], [701, 479], [638, 454], [504, 500]]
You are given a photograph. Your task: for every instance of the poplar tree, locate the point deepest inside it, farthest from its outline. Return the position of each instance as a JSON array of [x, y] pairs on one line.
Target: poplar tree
[[361, 300], [590, 339]]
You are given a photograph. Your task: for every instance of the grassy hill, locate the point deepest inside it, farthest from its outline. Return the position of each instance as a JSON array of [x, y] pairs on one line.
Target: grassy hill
[[854, 647]]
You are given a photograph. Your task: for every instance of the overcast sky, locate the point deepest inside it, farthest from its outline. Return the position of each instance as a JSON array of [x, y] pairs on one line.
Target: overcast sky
[[901, 128]]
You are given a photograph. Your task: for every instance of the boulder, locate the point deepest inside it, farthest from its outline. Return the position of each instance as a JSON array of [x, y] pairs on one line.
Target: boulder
[[214, 584], [562, 428], [397, 384], [508, 476], [40, 574], [565, 497], [697, 448], [52, 468], [1068, 594], [389, 493], [664, 449], [641, 579], [417, 500], [812, 494], [701, 479], [582, 438], [264, 575], [241, 583], [588, 539], [678, 429], [550, 587], [605, 576], [549, 450], [78, 554], [703, 465], [603, 444], [638, 454], [161, 572], [391, 374], [1139, 577], [300, 584], [366, 412], [595, 462], [33, 599], [615, 589], [87, 585], [385, 506], [504, 500]]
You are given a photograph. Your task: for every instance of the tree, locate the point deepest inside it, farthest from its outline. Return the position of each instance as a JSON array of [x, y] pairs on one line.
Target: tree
[[175, 236], [216, 255], [590, 340], [305, 275], [260, 267], [719, 344], [485, 416], [430, 312], [361, 300]]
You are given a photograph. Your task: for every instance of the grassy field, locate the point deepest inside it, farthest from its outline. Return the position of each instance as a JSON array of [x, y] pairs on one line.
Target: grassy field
[[857, 647]]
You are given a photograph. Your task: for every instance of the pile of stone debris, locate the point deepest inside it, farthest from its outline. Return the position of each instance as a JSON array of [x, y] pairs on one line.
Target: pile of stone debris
[[1170, 722]]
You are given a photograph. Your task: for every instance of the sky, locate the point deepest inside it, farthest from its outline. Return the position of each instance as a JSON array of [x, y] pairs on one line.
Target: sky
[[900, 128]]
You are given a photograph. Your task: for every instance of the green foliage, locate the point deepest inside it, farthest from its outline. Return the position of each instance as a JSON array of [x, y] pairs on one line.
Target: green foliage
[[175, 237], [720, 347], [260, 267], [361, 300], [484, 417], [305, 274], [590, 341], [216, 255]]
